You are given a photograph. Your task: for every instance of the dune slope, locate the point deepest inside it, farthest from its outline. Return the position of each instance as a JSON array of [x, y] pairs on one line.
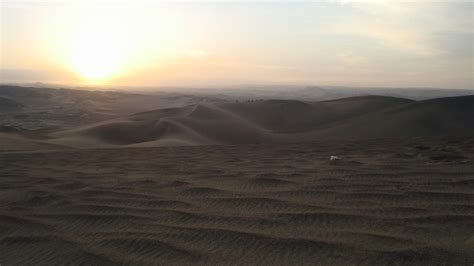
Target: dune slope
[[438, 117]]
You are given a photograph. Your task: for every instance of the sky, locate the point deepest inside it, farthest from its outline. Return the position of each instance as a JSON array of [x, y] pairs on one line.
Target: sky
[[377, 43]]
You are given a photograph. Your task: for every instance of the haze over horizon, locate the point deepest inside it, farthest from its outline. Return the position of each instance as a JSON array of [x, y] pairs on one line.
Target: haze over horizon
[[347, 43]]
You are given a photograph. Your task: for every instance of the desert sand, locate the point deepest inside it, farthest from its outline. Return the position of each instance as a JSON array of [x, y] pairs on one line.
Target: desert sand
[[240, 183], [391, 202]]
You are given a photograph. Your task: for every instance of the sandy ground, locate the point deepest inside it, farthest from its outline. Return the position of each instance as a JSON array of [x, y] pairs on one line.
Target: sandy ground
[[391, 202]]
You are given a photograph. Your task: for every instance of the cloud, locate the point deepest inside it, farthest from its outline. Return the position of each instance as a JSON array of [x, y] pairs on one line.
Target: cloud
[[402, 26], [391, 36], [351, 59]]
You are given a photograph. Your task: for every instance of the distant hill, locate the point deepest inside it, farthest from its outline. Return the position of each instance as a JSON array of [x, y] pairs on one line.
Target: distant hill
[[320, 93]]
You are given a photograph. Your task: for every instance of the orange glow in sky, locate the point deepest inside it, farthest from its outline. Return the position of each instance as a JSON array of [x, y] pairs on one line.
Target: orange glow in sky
[[384, 43]]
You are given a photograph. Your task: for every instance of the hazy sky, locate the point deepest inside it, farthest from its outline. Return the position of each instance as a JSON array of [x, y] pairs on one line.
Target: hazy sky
[[353, 43]]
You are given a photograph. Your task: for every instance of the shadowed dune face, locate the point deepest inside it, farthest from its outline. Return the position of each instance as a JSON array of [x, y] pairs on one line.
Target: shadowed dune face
[[439, 117], [399, 202], [280, 121]]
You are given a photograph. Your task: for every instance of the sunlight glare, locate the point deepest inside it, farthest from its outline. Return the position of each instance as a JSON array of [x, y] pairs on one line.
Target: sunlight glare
[[100, 48]]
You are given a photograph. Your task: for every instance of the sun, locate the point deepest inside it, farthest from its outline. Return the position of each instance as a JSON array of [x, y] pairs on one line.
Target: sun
[[99, 50], [97, 60], [99, 55]]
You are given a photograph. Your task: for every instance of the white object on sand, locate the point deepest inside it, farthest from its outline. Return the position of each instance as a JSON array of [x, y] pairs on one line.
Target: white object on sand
[[334, 158]]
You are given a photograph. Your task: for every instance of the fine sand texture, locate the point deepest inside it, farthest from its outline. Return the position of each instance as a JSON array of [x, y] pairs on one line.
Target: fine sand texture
[[387, 202]]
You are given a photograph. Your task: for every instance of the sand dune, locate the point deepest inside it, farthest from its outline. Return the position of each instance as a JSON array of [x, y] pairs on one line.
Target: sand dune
[[279, 121], [439, 117], [295, 116], [21, 142], [30, 108], [193, 125], [387, 203]]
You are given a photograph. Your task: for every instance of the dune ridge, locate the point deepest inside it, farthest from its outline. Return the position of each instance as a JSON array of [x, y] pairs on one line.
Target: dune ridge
[[279, 121]]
